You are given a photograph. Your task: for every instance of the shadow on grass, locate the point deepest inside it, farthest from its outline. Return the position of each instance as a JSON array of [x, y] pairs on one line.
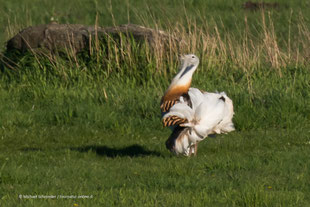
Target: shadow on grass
[[130, 151]]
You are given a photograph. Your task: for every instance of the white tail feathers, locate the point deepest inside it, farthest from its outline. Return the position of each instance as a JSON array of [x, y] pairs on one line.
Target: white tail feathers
[[226, 125], [209, 113]]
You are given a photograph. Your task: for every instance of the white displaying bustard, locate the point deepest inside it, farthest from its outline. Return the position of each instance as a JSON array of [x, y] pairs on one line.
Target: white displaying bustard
[[193, 114]]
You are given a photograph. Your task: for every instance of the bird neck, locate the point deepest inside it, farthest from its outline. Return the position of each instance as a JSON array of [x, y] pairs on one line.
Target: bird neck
[[181, 82], [175, 91], [184, 77]]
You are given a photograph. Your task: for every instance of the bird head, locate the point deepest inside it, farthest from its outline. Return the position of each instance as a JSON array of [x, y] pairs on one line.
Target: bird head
[[189, 59], [189, 64]]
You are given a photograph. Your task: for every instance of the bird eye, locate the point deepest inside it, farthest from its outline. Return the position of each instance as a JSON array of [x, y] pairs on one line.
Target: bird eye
[[193, 56]]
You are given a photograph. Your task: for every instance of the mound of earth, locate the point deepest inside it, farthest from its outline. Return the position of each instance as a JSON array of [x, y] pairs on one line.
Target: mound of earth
[[77, 37]]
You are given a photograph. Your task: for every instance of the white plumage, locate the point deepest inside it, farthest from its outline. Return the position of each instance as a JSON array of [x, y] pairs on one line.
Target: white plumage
[[210, 113], [191, 113]]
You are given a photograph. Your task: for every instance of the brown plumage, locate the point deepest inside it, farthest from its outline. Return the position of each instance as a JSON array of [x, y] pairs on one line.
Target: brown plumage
[[173, 120], [172, 96]]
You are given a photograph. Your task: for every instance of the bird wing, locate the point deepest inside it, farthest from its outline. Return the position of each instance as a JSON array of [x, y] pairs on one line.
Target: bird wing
[[226, 125], [182, 110], [215, 114], [208, 115], [196, 96], [173, 121], [166, 105], [178, 114]]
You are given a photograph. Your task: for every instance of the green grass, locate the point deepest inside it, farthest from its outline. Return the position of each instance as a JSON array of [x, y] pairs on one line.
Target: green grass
[[58, 140], [256, 168], [91, 126]]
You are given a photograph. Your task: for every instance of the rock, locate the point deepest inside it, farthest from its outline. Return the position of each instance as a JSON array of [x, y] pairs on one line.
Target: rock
[[53, 37]]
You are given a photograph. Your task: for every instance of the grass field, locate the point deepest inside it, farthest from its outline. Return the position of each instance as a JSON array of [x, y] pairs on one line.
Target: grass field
[[90, 126]]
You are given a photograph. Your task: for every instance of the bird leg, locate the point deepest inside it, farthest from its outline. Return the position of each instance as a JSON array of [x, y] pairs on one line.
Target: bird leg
[[196, 148], [192, 150]]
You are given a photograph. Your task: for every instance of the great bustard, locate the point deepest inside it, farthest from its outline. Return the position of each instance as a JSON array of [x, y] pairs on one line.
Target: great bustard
[[191, 113]]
